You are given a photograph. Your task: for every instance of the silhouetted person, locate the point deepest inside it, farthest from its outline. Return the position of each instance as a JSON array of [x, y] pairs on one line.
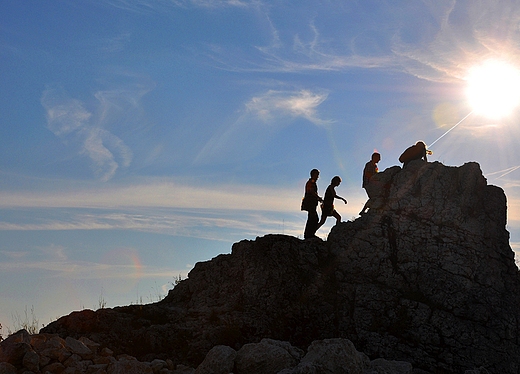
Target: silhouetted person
[[368, 172], [327, 208], [310, 203], [415, 152]]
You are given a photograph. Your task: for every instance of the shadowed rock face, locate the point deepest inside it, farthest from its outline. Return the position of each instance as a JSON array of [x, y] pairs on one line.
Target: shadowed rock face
[[426, 276]]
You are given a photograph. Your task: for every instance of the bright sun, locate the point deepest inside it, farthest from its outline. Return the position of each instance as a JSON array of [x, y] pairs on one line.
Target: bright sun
[[494, 89]]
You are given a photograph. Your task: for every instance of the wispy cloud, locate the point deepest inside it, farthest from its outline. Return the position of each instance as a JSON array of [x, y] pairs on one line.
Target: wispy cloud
[[54, 252], [71, 121], [160, 205], [220, 3], [458, 35], [161, 6], [316, 53], [260, 119], [116, 43], [432, 40], [57, 262], [220, 225], [138, 6], [14, 255], [275, 104], [88, 270], [64, 116], [226, 213], [160, 192]]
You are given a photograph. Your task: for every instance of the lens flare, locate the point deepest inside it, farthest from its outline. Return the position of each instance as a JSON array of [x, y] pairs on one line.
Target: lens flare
[[445, 114], [494, 89]]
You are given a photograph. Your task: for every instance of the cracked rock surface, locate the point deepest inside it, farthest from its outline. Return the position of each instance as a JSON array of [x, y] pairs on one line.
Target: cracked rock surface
[[427, 277]]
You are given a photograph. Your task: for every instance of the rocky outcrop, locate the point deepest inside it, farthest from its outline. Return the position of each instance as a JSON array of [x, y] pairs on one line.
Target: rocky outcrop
[[430, 272], [49, 353], [427, 277]]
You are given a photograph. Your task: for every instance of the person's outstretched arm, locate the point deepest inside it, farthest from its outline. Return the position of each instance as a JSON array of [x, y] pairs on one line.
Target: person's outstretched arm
[[341, 198]]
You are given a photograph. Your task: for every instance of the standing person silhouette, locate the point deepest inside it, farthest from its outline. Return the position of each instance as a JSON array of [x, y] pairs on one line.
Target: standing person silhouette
[[310, 203], [368, 172], [327, 208]]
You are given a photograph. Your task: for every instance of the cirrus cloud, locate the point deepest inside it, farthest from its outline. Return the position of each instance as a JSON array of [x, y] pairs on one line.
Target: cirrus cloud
[[71, 121]]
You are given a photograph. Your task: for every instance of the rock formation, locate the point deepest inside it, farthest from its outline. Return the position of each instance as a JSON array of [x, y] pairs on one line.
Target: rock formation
[[427, 277]]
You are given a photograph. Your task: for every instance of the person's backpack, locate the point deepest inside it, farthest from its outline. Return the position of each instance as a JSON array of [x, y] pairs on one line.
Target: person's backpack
[[409, 154], [309, 203], [306, 204]]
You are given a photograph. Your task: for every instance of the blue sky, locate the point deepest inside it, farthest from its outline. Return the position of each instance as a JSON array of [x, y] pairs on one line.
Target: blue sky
[[139, 137]]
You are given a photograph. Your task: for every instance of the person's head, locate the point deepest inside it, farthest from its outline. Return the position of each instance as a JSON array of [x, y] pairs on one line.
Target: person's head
[[315, 173], [376, 157], [336, 181], [421, 144]]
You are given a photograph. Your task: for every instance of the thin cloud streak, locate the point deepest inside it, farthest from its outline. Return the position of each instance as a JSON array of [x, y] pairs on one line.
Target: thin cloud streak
[[225, 225], [276, 104], [176, 209], [88, 270], [262, 117], [53, 259], [453, 36], [159, 194], [222, 225], [164, 7], [457, 35]]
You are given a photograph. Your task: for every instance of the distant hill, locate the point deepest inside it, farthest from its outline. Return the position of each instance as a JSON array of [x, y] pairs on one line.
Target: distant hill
[[427, 276]]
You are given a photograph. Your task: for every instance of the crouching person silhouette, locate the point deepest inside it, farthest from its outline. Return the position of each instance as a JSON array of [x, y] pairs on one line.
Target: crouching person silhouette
[[415, 152], [310, 203], [327, 208]]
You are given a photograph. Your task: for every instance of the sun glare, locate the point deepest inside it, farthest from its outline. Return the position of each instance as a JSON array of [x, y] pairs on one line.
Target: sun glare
[[494, 89]]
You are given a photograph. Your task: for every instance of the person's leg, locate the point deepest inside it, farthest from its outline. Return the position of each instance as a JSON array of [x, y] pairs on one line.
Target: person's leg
[[312, 225], [337, 216], [365, 207], [322, 221]]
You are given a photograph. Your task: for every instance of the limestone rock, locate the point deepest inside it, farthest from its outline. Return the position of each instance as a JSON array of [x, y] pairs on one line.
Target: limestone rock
[[332, 356], [42, 353], [183, 369], [381, 366], [31, 361], [219, 360], [15, 347], [427, 276], [7, 368], [126, 366], [77, 347], [268, 356]]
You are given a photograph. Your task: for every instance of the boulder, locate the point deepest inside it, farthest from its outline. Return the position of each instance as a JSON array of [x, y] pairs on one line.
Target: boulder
[[332, 356], [267, 357], [15, 347], [7, 368], [382, 366], [219, 360]]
